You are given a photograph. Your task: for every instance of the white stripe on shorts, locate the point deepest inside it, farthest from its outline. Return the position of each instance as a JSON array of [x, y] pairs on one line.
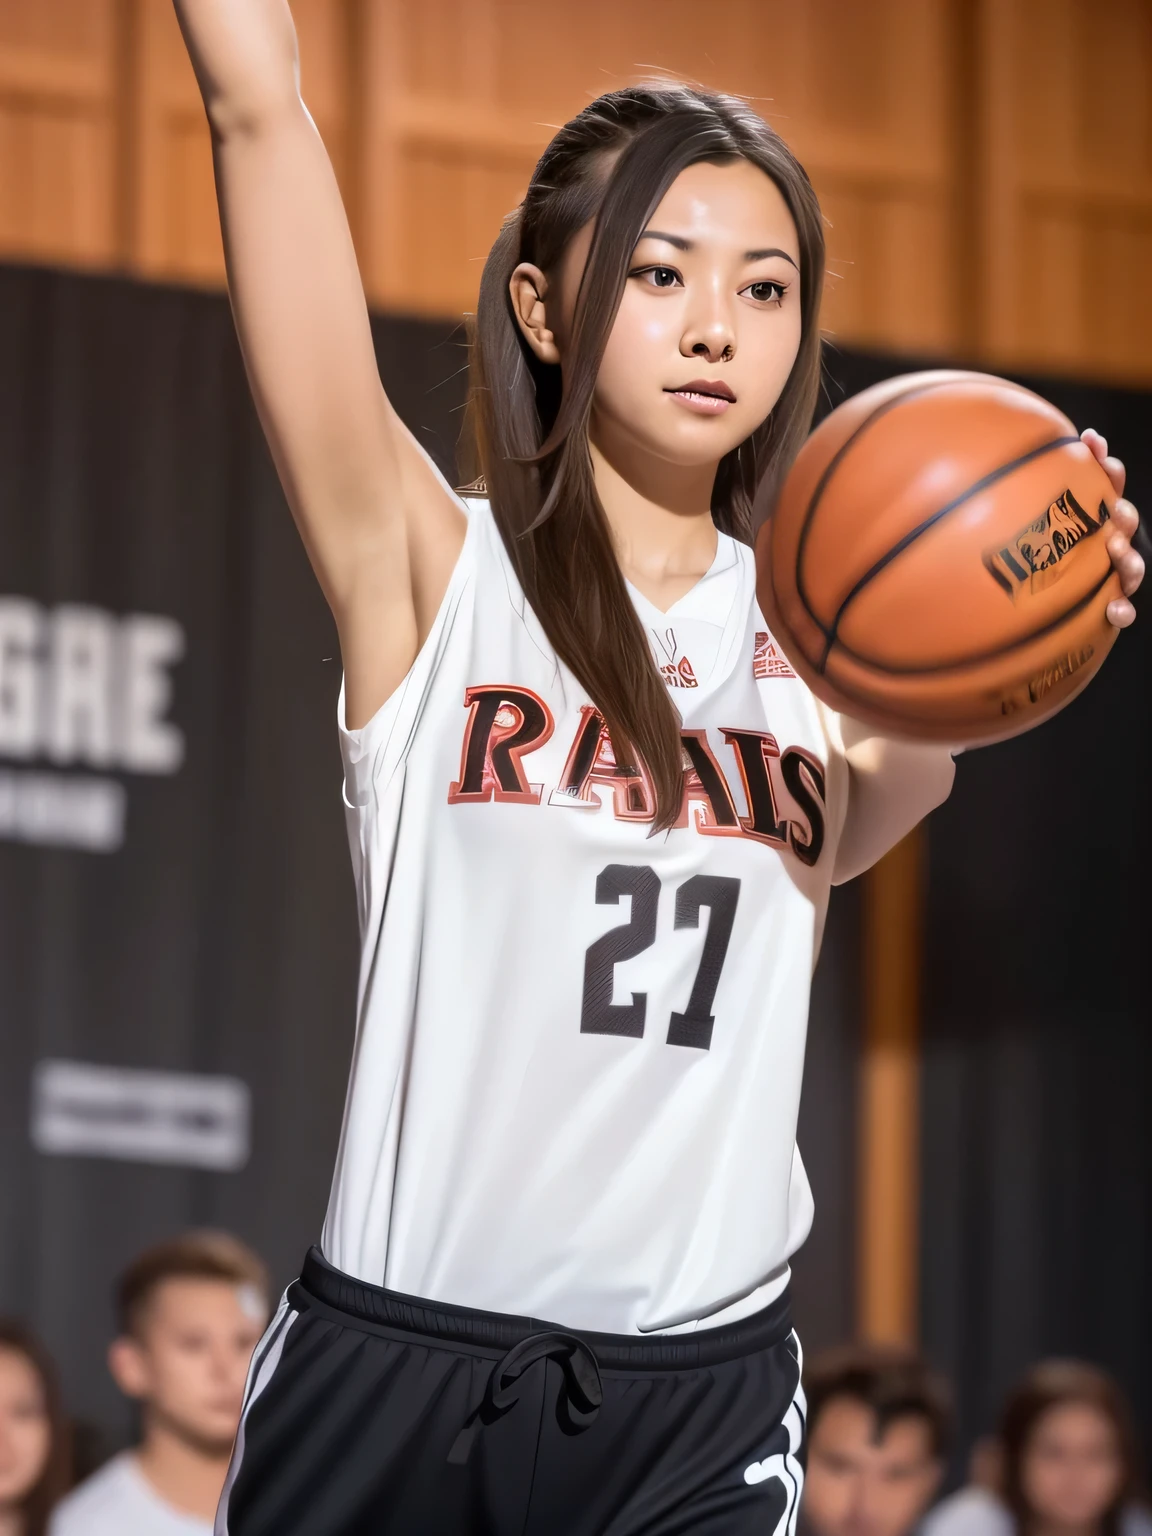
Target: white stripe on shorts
[[265, 1359]]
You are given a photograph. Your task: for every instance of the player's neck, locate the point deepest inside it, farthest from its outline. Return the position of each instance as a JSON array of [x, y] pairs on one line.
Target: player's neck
[[187, 1476], [11, 1522], [661, 521]]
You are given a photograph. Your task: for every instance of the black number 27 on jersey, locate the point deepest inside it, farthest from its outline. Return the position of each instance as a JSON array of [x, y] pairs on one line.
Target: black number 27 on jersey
[[599, 1015]]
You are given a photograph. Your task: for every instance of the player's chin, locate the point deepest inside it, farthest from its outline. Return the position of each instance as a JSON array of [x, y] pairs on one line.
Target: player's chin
[[694, 440]]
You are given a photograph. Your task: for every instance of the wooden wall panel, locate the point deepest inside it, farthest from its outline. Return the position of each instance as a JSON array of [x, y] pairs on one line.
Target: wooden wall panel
[[1066, 186], [58, 173], [173, 232], [888, 1191], [985, 166], [175, 228], [862, 97], [866, 101]]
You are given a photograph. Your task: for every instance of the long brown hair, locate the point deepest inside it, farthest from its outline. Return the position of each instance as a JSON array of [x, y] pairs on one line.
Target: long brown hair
[[1049, 1385], [55, 1479], [533, 439]]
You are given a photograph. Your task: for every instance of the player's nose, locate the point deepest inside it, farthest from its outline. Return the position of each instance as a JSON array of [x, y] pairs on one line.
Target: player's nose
[[710, 333]]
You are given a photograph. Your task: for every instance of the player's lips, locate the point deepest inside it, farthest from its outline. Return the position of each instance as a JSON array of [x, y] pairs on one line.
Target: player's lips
[[707, 397]]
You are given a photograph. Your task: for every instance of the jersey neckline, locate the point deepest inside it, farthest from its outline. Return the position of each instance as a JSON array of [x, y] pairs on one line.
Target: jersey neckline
[[720, 598], [688, 606]]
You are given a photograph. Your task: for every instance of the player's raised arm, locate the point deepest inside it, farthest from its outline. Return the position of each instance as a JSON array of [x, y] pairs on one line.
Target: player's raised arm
[[381, 529]]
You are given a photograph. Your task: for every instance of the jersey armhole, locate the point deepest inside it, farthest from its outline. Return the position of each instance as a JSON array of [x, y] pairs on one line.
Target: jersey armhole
[[391, 725]]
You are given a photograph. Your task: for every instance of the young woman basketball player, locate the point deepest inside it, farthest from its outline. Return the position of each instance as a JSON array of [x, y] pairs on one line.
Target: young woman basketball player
[[594, 821]]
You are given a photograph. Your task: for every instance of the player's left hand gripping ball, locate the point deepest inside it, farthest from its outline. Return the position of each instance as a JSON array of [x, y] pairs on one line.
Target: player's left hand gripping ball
[[1129, 565]]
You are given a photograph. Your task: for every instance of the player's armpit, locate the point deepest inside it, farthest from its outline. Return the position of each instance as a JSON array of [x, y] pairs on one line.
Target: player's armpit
[[382, 627], [892, 787]]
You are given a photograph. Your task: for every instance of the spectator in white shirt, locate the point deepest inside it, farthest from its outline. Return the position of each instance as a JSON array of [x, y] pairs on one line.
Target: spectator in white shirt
[[190, 1313], [1067, 1463]]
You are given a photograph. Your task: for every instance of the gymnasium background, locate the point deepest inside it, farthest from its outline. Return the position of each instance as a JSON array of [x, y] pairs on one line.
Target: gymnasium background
[[177, 931]]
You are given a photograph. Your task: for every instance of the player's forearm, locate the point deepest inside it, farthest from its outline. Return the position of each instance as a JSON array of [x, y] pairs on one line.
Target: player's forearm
[[244, 55], [894, 784]]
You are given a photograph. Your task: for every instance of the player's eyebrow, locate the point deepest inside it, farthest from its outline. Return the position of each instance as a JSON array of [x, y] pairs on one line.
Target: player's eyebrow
[[677, 240], [681, 244], [772, 250]]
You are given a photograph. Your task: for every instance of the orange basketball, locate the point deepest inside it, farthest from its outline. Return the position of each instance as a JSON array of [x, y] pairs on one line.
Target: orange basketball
[[936, 564]]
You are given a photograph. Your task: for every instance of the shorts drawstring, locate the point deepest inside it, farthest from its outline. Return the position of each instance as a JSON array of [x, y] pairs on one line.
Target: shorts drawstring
[[582, 1385]]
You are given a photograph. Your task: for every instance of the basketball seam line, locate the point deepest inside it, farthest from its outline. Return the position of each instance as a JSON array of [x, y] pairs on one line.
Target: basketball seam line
[[983, 656], [822, 485], [930, 522]]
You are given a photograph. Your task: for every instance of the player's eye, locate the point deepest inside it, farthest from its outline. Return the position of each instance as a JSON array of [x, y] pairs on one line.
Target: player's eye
[[658, 277], [766, 291]]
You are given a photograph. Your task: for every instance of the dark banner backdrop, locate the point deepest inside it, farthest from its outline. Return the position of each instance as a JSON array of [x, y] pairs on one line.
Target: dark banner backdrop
[[219, 937], [175, 893], [1037, 1138]]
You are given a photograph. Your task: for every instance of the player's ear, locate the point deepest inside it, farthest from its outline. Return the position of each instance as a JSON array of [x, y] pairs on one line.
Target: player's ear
[[128, 1366], [528, 288]]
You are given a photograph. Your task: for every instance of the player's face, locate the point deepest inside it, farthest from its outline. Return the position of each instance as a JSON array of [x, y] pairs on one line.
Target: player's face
[[861, 1485], [25, 1433], [1072, 1467], [712, 300], [189, 1363]]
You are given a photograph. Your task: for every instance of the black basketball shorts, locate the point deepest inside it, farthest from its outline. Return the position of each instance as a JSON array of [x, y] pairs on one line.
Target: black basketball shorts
[[375, 1414]]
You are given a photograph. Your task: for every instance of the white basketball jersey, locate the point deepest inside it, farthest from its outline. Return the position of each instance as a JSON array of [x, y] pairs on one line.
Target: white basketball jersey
[[579, 1048]]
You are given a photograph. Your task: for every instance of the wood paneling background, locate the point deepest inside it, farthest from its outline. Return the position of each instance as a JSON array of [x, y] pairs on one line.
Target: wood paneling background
[[1065, 171], [985, 165], [60, 181]]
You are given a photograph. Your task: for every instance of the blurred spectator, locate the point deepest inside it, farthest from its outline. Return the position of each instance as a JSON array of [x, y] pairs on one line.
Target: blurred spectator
[[189, 1313], [879, 1426], [978, 1507], [33, 1434], [1068, 1464]]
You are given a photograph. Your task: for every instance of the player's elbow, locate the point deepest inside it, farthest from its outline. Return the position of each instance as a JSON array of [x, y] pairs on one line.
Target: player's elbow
[[258, 110], [884, 808]]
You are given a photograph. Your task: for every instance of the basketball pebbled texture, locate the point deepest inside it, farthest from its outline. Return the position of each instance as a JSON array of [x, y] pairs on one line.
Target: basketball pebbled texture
[[936, 564]]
